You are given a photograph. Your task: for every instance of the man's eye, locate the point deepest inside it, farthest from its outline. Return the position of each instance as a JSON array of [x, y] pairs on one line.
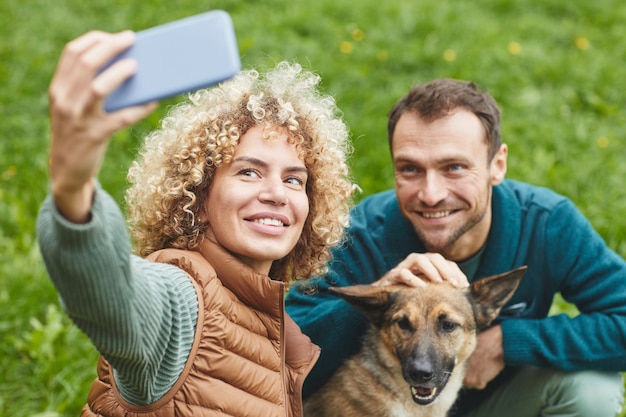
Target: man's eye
[[455, 167], [407, 169]]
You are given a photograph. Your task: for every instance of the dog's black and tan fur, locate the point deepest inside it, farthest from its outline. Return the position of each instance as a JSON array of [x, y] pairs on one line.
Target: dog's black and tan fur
[[413, 357]]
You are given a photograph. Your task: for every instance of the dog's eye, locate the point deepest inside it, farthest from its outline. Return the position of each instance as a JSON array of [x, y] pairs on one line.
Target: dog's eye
[[448, 326], [404, 323]]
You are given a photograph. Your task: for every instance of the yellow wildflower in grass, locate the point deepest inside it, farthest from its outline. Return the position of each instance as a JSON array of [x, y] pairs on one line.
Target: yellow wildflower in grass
[[346, 47], [357, 34], [449, 55], [603, 142], [582, 43], [10, 172], [514, 48], [382, 55]]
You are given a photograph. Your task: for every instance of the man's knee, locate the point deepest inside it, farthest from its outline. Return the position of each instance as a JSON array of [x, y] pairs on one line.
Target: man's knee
[[586, 393]]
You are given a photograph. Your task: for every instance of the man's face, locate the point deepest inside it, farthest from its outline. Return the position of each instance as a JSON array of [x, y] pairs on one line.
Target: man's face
[[444, 181]]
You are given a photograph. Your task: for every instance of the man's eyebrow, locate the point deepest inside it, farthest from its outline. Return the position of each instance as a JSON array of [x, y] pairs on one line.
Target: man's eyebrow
[[453, 159], [444, 160], [403, 159]]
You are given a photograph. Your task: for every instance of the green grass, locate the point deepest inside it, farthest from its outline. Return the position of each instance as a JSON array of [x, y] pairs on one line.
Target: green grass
[[557, 69]]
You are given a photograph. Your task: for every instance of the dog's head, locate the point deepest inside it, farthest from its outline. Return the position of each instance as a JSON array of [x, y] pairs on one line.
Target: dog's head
[[431, 330]]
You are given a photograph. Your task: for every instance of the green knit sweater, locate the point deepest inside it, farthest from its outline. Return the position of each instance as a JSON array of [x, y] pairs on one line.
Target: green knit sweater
[[140, 315]]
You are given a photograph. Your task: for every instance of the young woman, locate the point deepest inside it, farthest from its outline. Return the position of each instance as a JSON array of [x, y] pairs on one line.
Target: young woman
[[244, 188]]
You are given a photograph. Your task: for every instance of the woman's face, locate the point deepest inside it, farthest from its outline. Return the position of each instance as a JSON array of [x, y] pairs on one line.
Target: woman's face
[[257, 204]]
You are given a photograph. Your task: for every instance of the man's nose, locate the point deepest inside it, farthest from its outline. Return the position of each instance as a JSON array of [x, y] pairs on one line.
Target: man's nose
[[432, 189]]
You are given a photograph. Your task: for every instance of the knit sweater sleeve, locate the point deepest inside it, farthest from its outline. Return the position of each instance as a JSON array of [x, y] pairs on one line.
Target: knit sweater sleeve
[[591, 276], [140, 315]]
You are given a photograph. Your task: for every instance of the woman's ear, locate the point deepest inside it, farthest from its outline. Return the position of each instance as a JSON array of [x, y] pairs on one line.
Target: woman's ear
[[497, 166]]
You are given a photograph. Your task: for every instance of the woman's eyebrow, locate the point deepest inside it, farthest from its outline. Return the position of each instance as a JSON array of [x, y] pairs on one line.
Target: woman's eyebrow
[[261, 163], [250, 160]]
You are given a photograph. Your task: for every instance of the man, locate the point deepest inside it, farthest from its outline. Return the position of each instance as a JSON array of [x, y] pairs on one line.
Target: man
[[452, 203]]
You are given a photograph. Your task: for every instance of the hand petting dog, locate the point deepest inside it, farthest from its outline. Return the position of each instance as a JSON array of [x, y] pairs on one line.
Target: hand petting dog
[[418, 269]]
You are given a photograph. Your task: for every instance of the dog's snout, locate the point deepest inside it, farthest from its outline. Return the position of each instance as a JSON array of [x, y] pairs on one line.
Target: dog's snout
[[420, 371]]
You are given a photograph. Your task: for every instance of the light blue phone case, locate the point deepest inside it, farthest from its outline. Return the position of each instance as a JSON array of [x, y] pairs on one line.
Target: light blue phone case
[[177, 58]]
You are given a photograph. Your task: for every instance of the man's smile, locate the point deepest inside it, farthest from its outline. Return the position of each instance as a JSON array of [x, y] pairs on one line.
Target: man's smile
[[434, 214]]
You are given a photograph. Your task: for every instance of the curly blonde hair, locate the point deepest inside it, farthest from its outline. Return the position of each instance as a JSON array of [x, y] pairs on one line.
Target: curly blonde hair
[[176, 165]]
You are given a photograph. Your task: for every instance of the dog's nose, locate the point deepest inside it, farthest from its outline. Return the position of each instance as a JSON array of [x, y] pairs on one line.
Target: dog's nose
[[421, 372]]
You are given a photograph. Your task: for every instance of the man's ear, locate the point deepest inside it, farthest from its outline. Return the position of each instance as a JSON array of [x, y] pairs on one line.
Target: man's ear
[[497, 166], [370, 300], [489, 295]]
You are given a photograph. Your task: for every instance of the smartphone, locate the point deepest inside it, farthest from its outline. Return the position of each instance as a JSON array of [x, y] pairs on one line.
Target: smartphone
[[178, 57]]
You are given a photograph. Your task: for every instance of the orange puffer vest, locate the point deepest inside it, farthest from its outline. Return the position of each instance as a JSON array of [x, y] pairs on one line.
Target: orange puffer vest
[[248, 357]]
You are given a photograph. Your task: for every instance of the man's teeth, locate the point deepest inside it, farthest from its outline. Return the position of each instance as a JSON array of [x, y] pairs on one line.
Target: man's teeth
[[271, 222], [436, 215]]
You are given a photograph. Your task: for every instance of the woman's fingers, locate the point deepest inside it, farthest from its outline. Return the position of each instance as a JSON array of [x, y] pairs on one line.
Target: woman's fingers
[[76, 86]]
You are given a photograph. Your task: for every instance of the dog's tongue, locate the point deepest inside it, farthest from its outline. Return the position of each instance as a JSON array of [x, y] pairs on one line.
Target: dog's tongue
[[422, 392]]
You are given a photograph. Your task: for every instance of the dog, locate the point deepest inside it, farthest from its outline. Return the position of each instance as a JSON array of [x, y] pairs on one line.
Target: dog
[[413, 357]]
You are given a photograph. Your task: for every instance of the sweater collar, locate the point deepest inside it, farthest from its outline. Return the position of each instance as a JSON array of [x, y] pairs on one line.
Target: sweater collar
[[504, 235]]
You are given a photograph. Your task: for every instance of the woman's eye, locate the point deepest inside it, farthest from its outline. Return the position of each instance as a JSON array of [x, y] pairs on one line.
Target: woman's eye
[[295, 181], [249, 172]]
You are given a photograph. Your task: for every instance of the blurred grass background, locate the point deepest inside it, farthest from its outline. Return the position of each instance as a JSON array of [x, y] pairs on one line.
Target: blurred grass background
[[556, 68]]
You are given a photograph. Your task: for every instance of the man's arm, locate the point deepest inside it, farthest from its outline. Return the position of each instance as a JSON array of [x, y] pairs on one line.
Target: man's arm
[[329, 321], [591, 276], [487, 361]]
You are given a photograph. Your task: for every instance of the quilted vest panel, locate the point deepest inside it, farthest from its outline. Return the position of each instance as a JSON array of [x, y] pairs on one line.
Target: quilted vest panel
[[236, 366]]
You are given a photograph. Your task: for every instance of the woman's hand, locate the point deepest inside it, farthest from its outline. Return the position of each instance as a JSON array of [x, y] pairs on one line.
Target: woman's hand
[[80, 127], [419, 268]]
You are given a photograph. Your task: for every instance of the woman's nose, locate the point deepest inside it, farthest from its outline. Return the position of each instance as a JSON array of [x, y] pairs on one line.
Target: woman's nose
[[274, 192]]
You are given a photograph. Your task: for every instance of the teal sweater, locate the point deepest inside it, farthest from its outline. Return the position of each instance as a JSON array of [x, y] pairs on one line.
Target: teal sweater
[[140, 315], [531, 226]]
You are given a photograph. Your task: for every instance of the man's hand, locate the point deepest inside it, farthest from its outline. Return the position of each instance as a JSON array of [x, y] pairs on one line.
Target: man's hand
[[419, 268], [487, 361]]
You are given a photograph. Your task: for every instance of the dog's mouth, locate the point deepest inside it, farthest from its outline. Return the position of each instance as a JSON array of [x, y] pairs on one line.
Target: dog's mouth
[[426, 395]]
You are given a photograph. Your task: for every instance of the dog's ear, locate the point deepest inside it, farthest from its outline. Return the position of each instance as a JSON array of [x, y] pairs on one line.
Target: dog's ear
[[488, 295], [369, 300]]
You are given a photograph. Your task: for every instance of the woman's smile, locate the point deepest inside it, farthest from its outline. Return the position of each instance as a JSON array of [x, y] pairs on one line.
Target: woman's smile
[[262, 220]]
